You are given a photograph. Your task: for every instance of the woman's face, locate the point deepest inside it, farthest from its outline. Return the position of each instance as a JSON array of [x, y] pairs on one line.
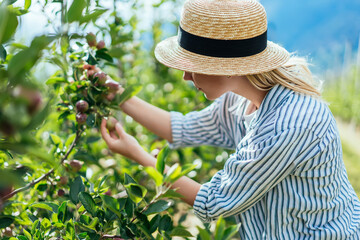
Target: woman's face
[[212, 86]]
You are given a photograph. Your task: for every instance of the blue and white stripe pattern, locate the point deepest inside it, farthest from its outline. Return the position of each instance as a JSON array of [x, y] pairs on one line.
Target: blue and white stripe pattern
[[286, 179]]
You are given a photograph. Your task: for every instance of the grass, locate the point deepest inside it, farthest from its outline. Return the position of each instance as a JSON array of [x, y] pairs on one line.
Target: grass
[[352, 164]]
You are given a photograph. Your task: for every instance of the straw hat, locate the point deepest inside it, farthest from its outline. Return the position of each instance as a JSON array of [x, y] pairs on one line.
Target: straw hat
[[222, 37]]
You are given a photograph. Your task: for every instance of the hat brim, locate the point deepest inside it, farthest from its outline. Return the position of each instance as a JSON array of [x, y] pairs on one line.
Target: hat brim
[[169, 53]]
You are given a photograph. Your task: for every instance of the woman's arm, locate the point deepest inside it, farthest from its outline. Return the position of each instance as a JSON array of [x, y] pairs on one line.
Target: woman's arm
[[153, 118]]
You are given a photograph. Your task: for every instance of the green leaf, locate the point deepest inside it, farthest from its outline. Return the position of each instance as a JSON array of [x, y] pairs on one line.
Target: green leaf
[[75, 10], [3, 53], [173, 173], [155, 175], [88, 202], [92, 16], [91, 60], [136, 192], [27, 4], [180, 232], [69, 141], [6, 220], [103, 55], [22, 237], [128, 179], [165, 223], [24, 60], [157, 207], [42, 206], [62, 212], [45, 224], [172, 194], [203, 234], [129, 207], [56, 140], [145, 231], [112, 204], [230, 232], [160, 163], [220, 227], [55, 80], [76, 187], [8, 24], [27, 234], [128, 93]]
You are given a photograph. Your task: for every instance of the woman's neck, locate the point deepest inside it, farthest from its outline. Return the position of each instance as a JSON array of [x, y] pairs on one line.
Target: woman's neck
[[244, 88]]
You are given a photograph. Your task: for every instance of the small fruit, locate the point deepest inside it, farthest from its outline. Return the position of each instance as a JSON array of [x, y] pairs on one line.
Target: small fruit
[[63, 180], [81, 118], [91, 39], [61, 192], [110, 96], [89, 67], [100, 45], [5, 192], [112, 85], [82, 106], [75, 165], [108, 192], [32, 97], [101, 77], [90, 73], [110, 123]]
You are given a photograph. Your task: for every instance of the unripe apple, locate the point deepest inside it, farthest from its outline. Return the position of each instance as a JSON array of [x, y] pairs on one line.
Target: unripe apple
[[91, 39], [32, 96], [7, 128], [81, 118], [61, 192], [63, 180], [82, 106], [90, 73], [88, 67], [75, 165], [101, 77], [112, 85], [110, 123], [5, 191], [110, 96], [100, 45]]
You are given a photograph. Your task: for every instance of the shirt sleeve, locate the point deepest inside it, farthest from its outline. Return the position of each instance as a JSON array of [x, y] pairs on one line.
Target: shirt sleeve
[[201, 127], [252, 171]]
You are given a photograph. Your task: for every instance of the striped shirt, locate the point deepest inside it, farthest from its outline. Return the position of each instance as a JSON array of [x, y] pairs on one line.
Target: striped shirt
[[286, 179]]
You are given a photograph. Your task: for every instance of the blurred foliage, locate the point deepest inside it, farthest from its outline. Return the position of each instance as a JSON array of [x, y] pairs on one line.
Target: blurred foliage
[[67, 183], [343, 95]]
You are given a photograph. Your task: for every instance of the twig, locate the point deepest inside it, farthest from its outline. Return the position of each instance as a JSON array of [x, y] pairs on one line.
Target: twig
[[32, 183], [110, 236]]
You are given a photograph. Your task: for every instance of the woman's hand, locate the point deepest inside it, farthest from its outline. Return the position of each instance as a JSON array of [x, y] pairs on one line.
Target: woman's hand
[[120, 142]]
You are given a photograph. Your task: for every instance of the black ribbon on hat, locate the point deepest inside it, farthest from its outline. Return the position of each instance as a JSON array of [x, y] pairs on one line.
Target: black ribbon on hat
[[222, 48]]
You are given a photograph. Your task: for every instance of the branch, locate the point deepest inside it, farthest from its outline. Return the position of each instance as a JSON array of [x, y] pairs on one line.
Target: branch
[[29, 185], [110, 236]]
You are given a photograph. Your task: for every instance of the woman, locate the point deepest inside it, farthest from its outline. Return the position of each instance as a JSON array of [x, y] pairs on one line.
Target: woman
[[286, 179]]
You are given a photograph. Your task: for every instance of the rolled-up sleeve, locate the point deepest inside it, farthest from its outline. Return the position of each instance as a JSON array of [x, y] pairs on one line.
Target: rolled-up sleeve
[[253, 170], [203, 127]]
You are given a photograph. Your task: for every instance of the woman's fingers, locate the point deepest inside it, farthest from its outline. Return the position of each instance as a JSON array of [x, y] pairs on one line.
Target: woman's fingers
[[119, 129], [113, 135], [104, 131]]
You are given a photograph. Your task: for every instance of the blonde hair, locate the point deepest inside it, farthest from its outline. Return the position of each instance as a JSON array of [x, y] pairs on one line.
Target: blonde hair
[[294, 74]]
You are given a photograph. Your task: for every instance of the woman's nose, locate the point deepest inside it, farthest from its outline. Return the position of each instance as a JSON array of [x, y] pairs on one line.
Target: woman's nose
[[187, 76]]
